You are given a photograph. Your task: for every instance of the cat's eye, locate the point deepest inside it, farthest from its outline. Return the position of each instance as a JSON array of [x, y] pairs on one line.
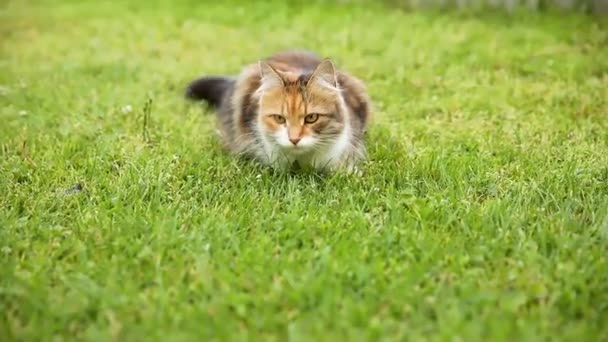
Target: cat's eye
[[278, 118], [311, 118]]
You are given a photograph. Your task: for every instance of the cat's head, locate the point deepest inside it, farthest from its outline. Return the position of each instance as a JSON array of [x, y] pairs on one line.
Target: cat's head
[[300, 113]]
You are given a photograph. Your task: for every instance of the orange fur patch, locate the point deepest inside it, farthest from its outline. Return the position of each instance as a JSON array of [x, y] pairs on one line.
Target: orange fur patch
[[291, 102]]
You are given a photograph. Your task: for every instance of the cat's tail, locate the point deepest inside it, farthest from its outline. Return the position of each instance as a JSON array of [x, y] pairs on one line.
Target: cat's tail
[[211, 89]]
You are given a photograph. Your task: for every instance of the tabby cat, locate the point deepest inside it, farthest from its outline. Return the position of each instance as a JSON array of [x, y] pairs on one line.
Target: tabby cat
[[290, 108]]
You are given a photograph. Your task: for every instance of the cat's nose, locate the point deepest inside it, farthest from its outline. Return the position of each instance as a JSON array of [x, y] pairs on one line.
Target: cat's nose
[[294, 141]]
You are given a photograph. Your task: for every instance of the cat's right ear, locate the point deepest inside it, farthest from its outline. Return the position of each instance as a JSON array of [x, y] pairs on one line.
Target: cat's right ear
[[270, 76]]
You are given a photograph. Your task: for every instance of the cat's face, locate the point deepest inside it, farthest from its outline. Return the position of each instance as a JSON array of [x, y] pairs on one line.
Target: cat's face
[[300, 113]]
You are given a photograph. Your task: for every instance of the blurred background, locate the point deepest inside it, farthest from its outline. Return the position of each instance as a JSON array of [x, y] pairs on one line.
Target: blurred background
[[588, 6]]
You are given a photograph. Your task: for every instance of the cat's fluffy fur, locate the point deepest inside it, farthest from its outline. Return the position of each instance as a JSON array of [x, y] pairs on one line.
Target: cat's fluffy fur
[[291, 107]]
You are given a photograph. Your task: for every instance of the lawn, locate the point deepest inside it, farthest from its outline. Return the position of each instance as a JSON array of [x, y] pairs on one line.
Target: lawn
[[481, 213]]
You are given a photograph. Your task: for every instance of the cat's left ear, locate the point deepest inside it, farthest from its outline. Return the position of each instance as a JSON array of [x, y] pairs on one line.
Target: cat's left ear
[[270, 76], [325, 73]]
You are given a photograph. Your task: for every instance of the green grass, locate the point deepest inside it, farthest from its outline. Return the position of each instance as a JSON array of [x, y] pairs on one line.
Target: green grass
[[482, 213]]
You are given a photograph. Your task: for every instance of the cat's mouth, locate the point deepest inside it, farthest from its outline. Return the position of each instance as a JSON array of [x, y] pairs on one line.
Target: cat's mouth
[[296, 149]]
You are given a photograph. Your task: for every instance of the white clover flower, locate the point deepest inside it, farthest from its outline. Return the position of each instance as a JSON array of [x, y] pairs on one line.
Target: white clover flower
[[126, 109]]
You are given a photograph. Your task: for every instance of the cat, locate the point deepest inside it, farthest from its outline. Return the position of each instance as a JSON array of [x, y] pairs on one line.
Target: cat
[[291, 108]]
